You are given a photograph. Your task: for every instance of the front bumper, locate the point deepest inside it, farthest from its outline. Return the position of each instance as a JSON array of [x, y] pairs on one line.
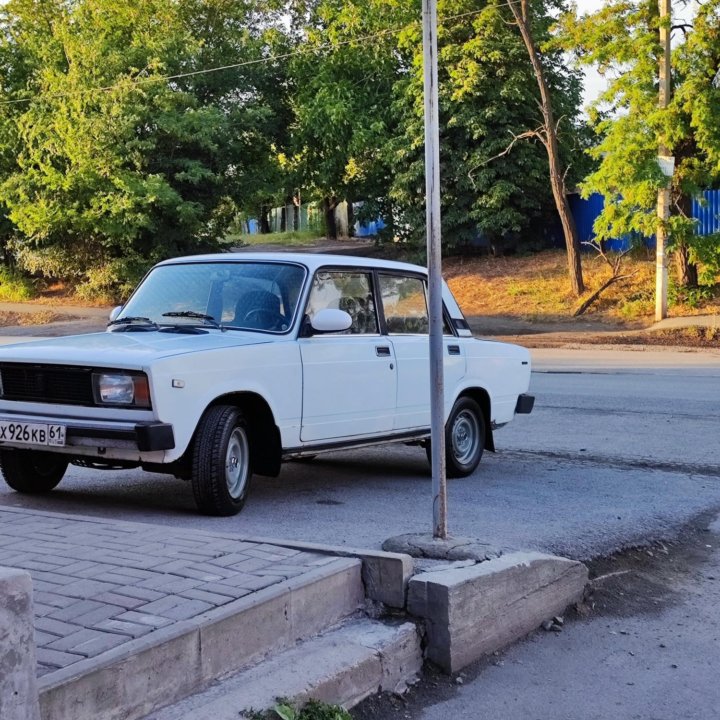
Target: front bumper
[[147, 436], [524, 404]]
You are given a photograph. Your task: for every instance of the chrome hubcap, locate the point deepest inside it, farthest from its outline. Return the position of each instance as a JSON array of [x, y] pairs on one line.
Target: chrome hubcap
[[237, 463], [465, 437]]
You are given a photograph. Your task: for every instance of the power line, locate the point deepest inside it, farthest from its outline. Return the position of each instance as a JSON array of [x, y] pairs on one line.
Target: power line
[[246, 63]]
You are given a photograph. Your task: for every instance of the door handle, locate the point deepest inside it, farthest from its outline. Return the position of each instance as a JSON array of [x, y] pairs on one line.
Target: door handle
[[382, 351], [453, 349]]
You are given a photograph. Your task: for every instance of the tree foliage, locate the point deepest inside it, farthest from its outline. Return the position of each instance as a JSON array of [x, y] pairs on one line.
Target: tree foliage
[[115, 162], [623, 40], [488, 96], [117, 148]]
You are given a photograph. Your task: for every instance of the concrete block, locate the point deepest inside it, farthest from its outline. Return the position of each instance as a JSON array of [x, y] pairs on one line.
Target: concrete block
[[473, 611], [137, 678], [318, 602], [386, 577], [342, 666], [252, 627], [18, 685], [385, 574]]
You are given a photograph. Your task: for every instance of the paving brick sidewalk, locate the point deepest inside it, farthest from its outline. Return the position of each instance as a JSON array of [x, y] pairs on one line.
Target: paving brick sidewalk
[[98, 584]]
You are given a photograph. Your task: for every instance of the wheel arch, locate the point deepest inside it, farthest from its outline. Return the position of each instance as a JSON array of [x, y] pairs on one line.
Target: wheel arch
[[482, 398], [263, 432]]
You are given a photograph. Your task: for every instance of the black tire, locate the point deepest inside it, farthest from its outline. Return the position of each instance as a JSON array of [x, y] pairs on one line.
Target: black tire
[[32, 472], [221, 467], [464, 438]]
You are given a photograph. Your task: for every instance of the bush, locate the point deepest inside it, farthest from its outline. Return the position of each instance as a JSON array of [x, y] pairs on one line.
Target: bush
[[15, 287]]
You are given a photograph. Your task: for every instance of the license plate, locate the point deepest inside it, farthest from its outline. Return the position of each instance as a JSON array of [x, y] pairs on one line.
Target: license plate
[[32, 433]]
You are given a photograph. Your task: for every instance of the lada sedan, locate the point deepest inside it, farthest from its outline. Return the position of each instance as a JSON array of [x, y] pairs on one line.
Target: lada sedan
[[221, 366]]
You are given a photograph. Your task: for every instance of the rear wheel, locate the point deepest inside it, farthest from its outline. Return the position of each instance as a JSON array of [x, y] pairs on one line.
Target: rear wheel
[[221, 469], [464, 438], [32, 472]]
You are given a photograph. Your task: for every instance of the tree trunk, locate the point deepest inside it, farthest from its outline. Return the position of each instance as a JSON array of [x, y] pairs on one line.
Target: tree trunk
[[264, 219], [296, 211], [351, 219], [557, 177], [329, 205], [686, 270]]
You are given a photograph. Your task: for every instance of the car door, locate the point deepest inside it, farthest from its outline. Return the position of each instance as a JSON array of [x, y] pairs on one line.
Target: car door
[[349, 378], [404, 304]]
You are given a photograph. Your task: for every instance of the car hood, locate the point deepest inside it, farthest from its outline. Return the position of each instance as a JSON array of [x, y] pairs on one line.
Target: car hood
[[124, 349]]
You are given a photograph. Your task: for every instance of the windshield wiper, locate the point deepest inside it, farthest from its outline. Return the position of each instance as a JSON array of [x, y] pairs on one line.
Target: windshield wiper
[[196, 315], [131, 320]]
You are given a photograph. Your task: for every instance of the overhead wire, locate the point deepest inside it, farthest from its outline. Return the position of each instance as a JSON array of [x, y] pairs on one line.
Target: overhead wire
[[245, 63]]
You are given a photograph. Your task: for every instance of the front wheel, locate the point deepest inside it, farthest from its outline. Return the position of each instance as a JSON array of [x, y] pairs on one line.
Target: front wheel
[[221, 468], [32, 472], [464, 438]]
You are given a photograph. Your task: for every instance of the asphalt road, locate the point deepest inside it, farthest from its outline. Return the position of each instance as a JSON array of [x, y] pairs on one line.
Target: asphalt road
[[621, 448]]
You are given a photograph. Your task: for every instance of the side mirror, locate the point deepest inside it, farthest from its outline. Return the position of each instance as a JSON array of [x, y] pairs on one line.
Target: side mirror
[[115, 312], [330, 320]]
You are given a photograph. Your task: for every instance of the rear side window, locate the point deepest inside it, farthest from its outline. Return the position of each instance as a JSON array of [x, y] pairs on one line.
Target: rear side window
[[404, 305], [347, 290]]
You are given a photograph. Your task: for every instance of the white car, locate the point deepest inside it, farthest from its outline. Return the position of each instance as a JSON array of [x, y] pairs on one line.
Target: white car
[[220, 366]]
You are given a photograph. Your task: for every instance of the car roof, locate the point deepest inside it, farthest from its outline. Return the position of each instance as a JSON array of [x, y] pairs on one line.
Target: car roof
[[310, 260]]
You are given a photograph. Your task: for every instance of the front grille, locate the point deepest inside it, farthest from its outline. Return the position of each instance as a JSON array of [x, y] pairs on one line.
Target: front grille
[[46, 383]]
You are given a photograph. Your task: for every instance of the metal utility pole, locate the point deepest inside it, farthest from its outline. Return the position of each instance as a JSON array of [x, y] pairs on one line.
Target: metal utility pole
[[663, 202], [434, 258]]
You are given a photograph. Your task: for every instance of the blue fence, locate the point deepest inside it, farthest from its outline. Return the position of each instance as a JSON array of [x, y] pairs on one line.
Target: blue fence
[[705, 209]]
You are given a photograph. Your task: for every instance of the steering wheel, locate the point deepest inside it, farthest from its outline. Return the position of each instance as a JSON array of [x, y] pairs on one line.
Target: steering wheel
[[264, 319]]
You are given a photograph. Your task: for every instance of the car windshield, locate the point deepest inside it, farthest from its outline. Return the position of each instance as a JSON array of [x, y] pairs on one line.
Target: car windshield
[[238, 295]]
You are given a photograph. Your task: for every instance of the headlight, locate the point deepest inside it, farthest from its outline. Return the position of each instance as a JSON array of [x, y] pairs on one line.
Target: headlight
[[121, 389]]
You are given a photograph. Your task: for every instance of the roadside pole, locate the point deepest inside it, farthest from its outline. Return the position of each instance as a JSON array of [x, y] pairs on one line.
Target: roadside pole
[[434, 259], [663, 201]]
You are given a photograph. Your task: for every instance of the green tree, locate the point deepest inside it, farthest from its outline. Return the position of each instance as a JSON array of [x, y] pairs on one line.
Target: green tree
[[623, 40], [116, 164], [489, 100], [342, 105]]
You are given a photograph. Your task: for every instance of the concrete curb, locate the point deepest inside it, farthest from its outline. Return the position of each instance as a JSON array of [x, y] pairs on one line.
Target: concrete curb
[[342, 666], [161, 668], [385, 574], [470, 612]]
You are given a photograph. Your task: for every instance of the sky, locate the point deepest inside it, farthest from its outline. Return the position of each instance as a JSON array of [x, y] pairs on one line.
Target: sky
[[594, 83]]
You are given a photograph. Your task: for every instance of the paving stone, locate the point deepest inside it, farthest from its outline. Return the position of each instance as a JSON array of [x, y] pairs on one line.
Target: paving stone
[[105, 612], [123, 627], [55, 658], [41, 610], [112, 598], [85, 588], [78, 608], [43, 638], [210, 597], [97, 643], [251, 582], [230, 559], [139, 592], [151, 620], [51, 598], [251, 564], [229, 590], [56, 627], [70, 643], [168, 583]]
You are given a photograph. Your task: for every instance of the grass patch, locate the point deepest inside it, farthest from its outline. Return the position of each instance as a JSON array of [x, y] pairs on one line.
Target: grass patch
[[15, 287], [42, 317], [536, 288], [312, 710], [294, 238]]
